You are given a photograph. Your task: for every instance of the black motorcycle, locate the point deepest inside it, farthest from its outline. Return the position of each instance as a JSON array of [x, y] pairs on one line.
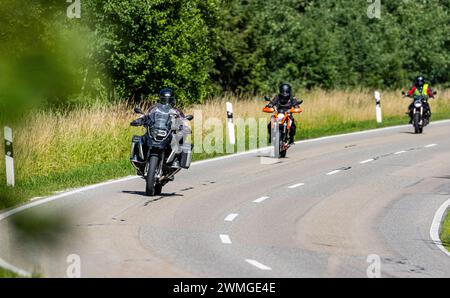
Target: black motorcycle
[[419, 112], [162, 151]]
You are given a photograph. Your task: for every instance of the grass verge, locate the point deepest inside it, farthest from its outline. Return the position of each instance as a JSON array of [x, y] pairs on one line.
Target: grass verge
[[445, 232], [7, 274], [67, 149]]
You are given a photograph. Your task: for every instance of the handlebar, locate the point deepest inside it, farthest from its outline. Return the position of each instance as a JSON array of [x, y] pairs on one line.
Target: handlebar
[[267, 109]]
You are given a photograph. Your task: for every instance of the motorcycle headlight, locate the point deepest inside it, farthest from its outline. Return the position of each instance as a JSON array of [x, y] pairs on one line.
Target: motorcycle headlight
[[159, 134], [418, 104]]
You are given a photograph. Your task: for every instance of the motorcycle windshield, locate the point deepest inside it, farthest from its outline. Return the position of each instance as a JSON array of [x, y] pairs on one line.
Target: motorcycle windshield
[[420, 98], [160, 117]]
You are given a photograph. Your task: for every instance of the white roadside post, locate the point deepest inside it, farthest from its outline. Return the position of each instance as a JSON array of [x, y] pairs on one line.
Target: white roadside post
[[9, 156], [275, 135], [378, 107], [230, 124]]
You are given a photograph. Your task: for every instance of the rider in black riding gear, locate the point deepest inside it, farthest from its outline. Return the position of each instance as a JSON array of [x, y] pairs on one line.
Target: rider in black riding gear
[[283, 102], [166, 97]]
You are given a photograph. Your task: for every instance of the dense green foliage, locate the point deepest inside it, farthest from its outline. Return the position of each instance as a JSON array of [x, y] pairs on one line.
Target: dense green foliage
[[146, 44], [39, 60], [332, 44], [132, 48]]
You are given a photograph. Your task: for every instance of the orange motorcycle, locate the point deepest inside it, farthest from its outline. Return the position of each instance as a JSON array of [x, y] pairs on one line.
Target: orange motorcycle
[[281, 122]]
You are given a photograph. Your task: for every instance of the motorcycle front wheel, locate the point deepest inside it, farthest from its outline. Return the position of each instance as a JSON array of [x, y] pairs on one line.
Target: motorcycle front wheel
[[416, 123], [283, 149], [151, 186]]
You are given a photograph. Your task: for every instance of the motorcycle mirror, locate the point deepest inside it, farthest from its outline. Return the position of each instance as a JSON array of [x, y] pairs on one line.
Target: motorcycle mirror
[[300, 101], [434, 92], [403, 93], [138, 110], [189, 117], [266, 98]]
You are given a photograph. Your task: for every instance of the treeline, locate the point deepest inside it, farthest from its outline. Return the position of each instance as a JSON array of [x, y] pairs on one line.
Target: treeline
[[332, 44], [129, 49]]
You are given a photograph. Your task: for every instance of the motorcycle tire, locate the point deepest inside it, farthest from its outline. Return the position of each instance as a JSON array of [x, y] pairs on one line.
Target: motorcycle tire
[[416, 123], [150, 188], [158, 189]]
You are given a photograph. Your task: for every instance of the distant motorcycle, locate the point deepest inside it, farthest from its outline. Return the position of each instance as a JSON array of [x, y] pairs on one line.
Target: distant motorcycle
[[281, 122], [420, 112], [162, 151]]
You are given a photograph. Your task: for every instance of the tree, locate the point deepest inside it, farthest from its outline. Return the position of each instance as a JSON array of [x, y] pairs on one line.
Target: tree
[[144, 45]]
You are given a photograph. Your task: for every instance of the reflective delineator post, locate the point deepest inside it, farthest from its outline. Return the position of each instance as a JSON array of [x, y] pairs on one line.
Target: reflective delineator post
[[9, 156], [378, 107], [230, 123], [275, 134]]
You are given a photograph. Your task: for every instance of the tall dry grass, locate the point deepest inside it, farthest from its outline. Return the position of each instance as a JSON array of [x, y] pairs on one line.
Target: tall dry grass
[[322, 108], [53, 142]]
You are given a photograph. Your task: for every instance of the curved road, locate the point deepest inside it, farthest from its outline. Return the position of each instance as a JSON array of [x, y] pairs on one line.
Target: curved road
[[319, 213]]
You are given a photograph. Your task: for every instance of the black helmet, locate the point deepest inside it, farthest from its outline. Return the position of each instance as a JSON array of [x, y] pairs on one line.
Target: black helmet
[[420, 81], [167, 96], [285, 92]]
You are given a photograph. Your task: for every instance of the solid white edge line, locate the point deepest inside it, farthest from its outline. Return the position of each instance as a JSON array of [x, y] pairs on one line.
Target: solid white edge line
[[231, 216], [261, 199], [333, 172], [435, 226], [296, 185], [366, 161], [430, 145], [258, 264], [35, 203], [225, 239], [400, 152], [7, 213], [12, 268]]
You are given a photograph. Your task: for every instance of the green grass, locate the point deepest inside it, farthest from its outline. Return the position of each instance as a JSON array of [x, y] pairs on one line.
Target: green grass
[[44, 185], [58, 151], [445, 232], [7, 274], [4, 273]]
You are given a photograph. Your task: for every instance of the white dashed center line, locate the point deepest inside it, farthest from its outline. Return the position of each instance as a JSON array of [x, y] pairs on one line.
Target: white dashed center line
[[333, 172], [430, 145], [400, 152], [261, 199], [366, 161], [225, 239], [231, 217], [258, 264], [296, 185]]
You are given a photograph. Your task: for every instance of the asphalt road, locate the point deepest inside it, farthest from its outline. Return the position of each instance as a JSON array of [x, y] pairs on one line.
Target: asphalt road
[[325, 211]]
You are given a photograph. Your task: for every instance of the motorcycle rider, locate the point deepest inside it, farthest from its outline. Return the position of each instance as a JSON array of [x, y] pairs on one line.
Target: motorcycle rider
[[167, 97], [284, 101], [420, 87]]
